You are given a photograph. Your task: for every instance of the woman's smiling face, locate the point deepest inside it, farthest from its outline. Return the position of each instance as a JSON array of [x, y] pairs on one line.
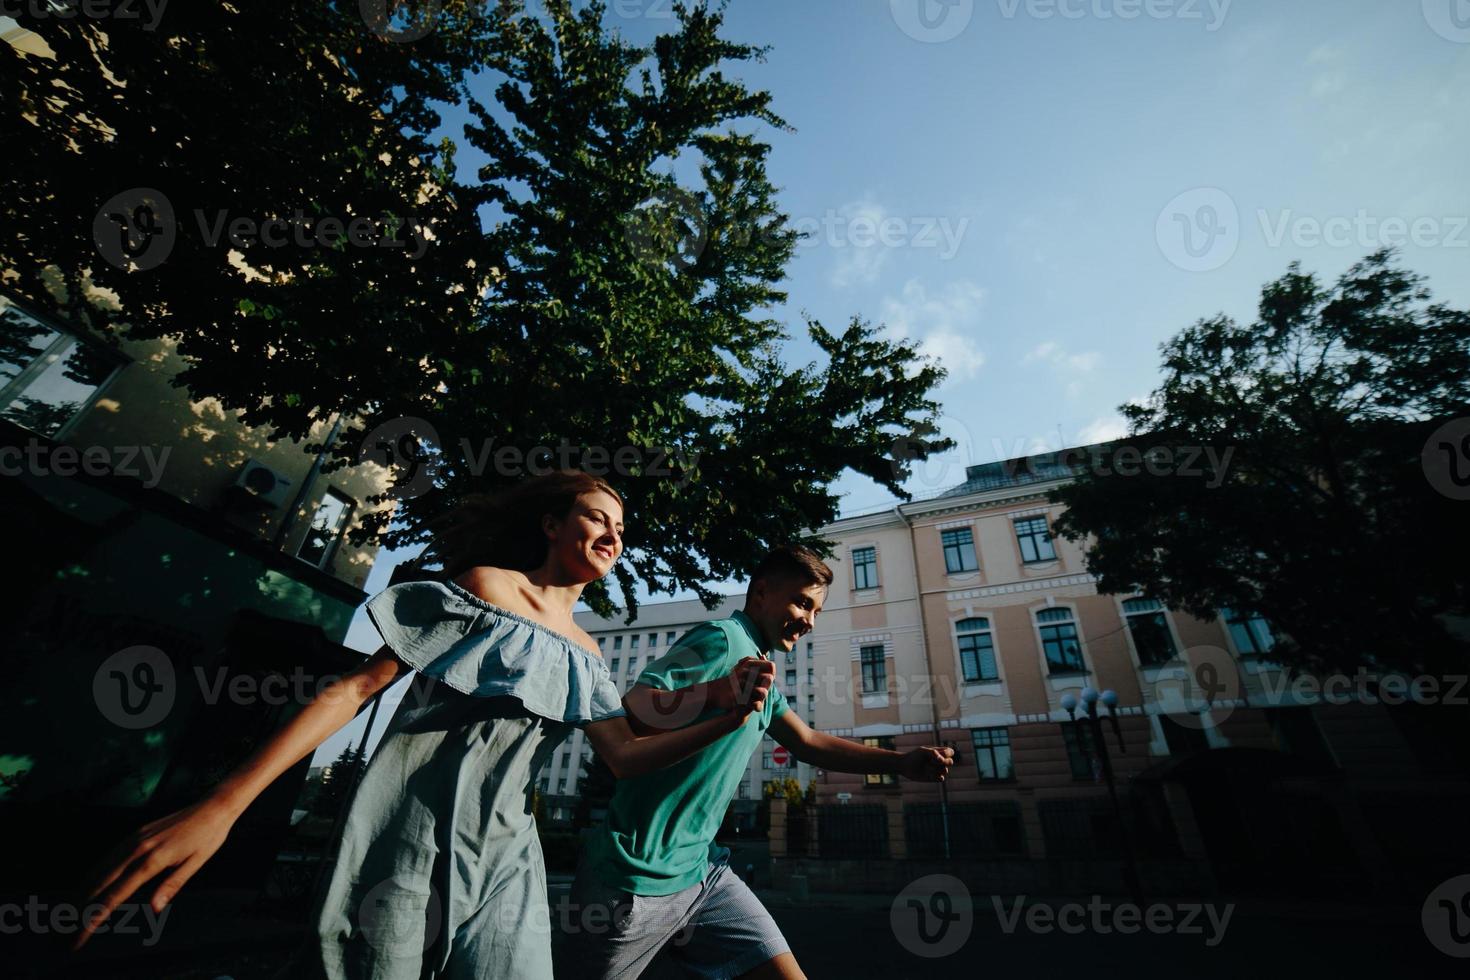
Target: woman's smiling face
[[589, 539]]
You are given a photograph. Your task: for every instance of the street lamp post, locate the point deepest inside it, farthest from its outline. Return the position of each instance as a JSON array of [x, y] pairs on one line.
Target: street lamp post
[[1109, 699]]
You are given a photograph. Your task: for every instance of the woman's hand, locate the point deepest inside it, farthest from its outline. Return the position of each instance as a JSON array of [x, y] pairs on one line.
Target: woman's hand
[[177, 844]]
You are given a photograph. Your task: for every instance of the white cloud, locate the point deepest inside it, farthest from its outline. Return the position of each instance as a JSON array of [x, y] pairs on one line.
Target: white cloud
[[859, 263], [1067, 365], [940, 324], [1103, 429]]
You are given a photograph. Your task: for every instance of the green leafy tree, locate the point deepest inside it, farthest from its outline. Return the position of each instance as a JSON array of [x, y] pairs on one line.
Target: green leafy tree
[[298, 112], [338, 781], [608, 278], [1319, 515]]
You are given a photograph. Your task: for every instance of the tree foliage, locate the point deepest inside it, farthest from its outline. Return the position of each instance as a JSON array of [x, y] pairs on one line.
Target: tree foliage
[[609, 277], [1321, 518], [338, 781]]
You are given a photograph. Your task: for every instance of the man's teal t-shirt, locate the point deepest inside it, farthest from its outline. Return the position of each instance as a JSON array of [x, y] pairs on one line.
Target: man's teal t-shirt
[[660, 826]]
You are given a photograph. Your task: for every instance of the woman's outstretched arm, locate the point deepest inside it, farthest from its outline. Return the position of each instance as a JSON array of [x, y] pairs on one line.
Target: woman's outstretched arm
[[181, 842]]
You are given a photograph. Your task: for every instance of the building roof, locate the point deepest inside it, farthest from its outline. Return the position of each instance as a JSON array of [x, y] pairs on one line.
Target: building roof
[[1040, 468], [660, 615]]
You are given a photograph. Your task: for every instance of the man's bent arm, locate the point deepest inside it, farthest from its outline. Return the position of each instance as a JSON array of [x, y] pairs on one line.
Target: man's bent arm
[[830, 752]]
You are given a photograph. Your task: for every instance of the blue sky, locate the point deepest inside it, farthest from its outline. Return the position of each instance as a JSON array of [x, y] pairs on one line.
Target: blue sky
[[1010, 183]]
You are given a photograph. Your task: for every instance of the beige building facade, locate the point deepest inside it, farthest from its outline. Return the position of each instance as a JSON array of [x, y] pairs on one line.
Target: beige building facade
[[965, 620]]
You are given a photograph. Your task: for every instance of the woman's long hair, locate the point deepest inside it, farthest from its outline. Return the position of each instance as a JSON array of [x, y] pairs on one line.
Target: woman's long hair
[[504, 529]]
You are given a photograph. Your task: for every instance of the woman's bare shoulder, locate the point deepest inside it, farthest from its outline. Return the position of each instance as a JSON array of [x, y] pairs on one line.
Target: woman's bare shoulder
[[496, 586]]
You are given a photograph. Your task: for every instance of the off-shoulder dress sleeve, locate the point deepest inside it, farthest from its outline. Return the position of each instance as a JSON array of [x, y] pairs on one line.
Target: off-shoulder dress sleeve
[[449, 633]]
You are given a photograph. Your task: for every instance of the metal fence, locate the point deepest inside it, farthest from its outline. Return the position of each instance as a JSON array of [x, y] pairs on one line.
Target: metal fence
[[847, 831], [976, 830], [1088, 827]]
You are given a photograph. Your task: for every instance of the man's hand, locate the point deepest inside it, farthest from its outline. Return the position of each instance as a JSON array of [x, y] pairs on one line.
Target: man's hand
[[745, 688], [929, 764]]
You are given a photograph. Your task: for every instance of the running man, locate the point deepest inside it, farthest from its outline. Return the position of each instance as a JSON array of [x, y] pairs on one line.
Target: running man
[[653, 871]]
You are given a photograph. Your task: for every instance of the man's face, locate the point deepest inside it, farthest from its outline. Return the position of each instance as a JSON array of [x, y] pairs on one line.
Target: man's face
[[784, 609]]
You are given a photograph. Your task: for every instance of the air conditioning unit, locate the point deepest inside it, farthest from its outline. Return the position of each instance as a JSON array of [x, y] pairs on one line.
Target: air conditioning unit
[[268, 487]]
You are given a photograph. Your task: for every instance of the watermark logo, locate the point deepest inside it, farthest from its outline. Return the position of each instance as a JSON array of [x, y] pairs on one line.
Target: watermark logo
[[933, 916], [643, 9], [410, 448], [1211, 12], [1199, 231], [401, 920], [1450, 19], [667, 229], [401, 22], [1363, 230], [1102, 918], [138, 229], [135, 229], [1446, 459], [39, 458], [88, 9], [1200, 691], [135, 688], [932, 21], [40, 919], [1446, 917], [1209, 463]]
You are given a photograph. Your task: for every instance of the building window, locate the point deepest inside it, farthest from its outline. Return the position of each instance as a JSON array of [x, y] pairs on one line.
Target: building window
[[1250, 631], [811, 677], [1079, 750], [977, 649], [616, 663], [875, 673], [652, 640], [632, 666], [791, 655], [47, 377], [601, 642], [633, 642], [561, 785], [865, 568], [766, 762], [880, 778], [1059, 640], [808, 648], [744, 792], [617, 643], [1035, 540], [669, 638], [811, 703], [1150, 632], [327, 525], [791, 680], [1182, 739], [993, 753], [1295, 732], [959, 550]]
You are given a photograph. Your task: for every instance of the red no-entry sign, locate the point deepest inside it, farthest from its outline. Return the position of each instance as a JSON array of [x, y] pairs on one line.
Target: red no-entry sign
[[780, 756]]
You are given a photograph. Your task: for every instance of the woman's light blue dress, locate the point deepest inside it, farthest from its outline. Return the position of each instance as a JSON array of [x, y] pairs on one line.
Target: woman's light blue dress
[[439, 872]]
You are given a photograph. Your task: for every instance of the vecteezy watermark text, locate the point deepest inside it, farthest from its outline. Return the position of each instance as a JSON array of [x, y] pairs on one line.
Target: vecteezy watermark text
[[1211, 12], [87, 10], [37, 458], [41, 918], [138, 229], [412, 447], [1102, 917], [1181, 461]]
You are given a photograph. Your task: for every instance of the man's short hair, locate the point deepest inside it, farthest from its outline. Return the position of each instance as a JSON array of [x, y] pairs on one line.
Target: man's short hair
[[793, 561]]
